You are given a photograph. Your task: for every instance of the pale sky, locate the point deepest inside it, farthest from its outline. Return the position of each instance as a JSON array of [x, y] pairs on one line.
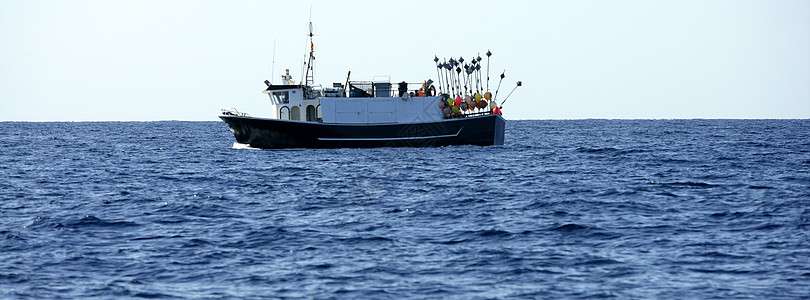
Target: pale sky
[[184, 60]]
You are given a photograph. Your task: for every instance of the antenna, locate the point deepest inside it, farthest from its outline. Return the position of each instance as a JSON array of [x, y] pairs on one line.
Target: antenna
[[273, 68], [305, 65]]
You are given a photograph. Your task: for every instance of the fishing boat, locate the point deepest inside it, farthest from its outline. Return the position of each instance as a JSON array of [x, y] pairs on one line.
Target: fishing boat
[[457, 109]]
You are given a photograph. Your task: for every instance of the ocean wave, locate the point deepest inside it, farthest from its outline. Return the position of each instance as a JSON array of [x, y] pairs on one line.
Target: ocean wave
[[565, 209]]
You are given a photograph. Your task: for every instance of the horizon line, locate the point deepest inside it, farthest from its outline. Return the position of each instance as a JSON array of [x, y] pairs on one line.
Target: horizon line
[[548, 119]]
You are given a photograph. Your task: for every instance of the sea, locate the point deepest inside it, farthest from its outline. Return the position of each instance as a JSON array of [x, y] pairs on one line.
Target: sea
[[565, 209]]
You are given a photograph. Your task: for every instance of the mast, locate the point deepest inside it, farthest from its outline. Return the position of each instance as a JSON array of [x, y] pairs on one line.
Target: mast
[[310, 65]]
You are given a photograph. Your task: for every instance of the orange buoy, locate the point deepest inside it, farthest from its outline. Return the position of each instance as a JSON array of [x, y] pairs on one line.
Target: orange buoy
[[488, 96]]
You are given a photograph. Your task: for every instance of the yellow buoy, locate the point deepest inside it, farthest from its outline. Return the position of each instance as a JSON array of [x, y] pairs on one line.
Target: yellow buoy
[[456, 109], [477, 97]]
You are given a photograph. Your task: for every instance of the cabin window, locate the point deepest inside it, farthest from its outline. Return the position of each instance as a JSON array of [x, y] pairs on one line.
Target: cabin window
[[281, 97], [284, 113], [311, 113], [295, 113], [318, 113]]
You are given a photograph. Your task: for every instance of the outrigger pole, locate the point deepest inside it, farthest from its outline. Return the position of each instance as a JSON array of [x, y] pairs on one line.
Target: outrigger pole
[[499, 84], [519, 83]]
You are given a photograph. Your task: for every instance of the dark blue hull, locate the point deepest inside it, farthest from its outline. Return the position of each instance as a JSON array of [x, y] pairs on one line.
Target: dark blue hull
[[483, 130]]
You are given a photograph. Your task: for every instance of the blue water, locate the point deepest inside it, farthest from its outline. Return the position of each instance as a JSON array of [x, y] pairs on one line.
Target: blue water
[[661, 209]]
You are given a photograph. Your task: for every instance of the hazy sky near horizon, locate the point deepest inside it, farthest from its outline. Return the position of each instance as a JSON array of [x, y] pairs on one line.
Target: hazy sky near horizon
[[184, 60]]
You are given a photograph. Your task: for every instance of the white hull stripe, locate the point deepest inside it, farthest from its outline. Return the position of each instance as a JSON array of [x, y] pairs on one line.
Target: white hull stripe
[[394, 139]]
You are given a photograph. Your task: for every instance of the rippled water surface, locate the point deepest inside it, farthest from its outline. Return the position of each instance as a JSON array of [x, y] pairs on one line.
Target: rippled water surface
[[565, 209]]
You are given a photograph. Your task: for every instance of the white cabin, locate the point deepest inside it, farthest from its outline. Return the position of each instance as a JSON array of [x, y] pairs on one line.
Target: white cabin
[[290, 102], [372, 105]]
